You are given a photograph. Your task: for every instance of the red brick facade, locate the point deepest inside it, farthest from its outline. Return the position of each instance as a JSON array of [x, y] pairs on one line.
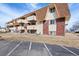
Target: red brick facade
[[46, 27], [60, 26]]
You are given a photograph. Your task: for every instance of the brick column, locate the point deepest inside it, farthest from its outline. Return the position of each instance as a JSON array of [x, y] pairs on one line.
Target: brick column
[[46, 27], [60, 26]]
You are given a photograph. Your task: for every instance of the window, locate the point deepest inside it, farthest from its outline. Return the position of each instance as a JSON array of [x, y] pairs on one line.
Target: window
[[52, 10], [52, 21]]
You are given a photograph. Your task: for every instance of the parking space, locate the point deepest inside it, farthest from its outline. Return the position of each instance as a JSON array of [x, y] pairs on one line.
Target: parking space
[[25, 48], [3, 43], [21, 50], [38, 49], [75, 50], [58, 51], [6, 49]]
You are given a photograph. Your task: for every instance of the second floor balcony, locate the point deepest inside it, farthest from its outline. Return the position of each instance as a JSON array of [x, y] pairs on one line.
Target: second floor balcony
[[20, 27], [30, 27], [33, 17], [9, 24]]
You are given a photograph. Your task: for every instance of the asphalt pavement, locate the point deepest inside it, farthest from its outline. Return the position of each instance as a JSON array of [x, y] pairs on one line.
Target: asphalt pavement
[[26, 48]]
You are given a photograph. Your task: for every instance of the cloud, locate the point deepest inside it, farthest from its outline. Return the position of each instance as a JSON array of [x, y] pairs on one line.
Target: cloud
[[7, 10], [8, 13], [74, 11], [70, 5], [34, 5], [31, 6], [4, 19], [74, 20]]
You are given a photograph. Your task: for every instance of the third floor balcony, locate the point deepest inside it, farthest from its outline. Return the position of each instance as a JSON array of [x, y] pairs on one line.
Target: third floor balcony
[[22, 21], [33, 17]]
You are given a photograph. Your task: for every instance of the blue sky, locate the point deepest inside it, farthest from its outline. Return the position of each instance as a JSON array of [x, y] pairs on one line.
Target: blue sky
[[74, 19], [9, 11]]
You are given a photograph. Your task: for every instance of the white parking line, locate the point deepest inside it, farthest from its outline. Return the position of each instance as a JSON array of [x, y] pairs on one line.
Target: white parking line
[[47, 49], [68, 50], [14, 48], [30, 46]]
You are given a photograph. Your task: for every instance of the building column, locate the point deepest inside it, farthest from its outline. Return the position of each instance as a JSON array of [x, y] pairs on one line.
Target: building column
[[46, 27], [25, 27], [16, 29], [60, 26]]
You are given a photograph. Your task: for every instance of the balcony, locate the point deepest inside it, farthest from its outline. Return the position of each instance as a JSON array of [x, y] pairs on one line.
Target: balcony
[[30, 27], [21, 21], [20, 27], [12, 28], [10, 24], [33, 17]]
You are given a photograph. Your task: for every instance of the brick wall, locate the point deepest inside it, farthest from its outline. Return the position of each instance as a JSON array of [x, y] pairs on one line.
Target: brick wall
[[46, 27], [60, 26]]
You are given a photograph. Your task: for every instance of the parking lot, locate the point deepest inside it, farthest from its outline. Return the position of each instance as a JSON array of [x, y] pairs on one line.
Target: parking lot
[[26, 48]]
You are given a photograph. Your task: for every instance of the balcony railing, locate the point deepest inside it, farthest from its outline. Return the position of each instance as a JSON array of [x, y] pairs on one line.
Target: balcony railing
[[31, 27], [33, 17], [21, 21], [12, 28], [20, 27], [10, 24]]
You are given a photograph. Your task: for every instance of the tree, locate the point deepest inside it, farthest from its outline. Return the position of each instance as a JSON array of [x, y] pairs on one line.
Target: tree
[[0, 26]]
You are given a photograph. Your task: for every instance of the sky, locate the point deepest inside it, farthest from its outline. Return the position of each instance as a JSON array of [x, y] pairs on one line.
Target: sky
[[9, 11], [74, 19]]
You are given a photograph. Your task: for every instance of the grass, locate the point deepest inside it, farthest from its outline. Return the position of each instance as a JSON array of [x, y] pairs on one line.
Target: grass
[[68, 40]]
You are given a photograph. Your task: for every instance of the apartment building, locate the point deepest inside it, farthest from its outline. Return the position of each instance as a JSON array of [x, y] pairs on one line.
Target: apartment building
[[2, 30], [49, 20], [16, 25]]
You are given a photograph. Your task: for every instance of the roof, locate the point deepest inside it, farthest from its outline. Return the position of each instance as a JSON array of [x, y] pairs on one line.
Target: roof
[[61, 10]]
